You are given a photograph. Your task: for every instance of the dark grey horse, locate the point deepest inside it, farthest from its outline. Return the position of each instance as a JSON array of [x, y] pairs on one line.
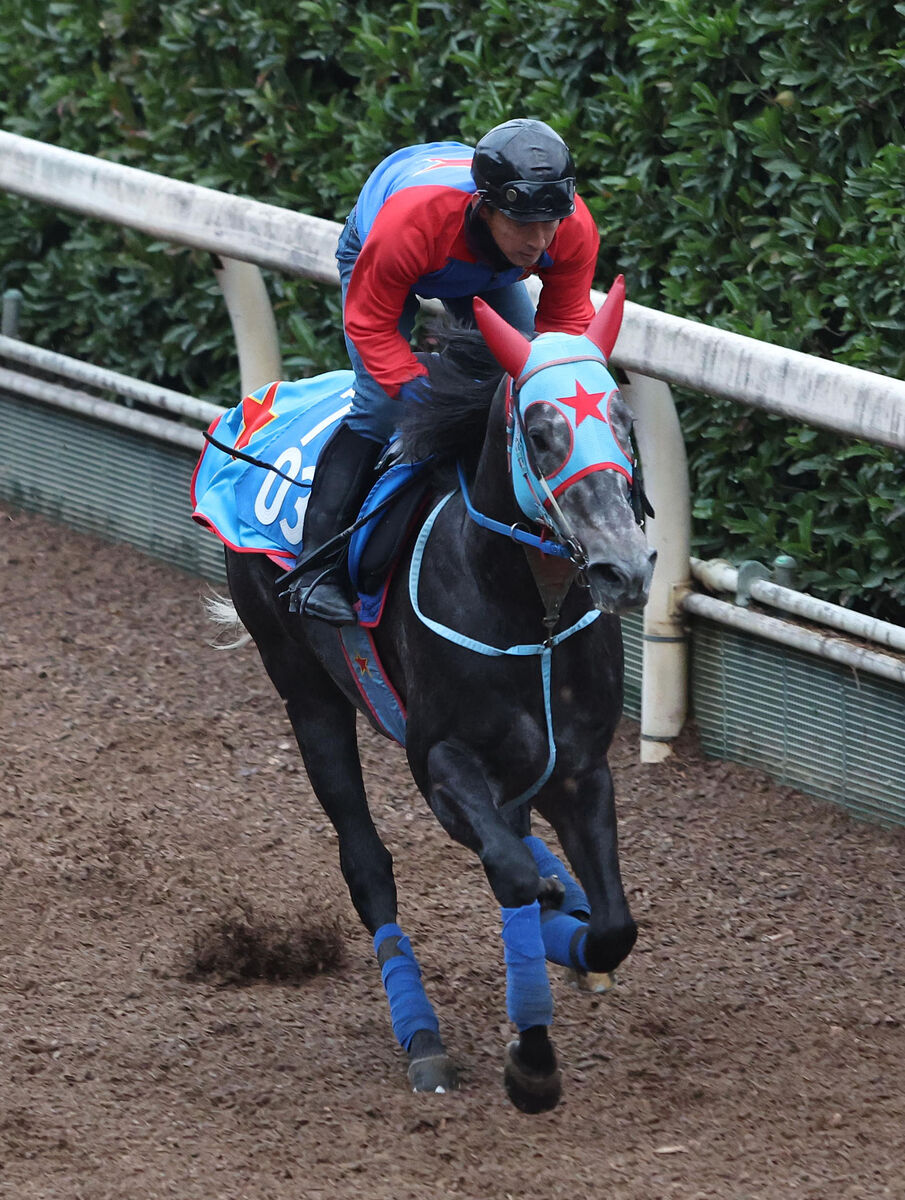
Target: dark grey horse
[[501, 636]]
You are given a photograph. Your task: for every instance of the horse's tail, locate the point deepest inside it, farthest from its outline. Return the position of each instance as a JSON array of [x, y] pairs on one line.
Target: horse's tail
[[223, 614]]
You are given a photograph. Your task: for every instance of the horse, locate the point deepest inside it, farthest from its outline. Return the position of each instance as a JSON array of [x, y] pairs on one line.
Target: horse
[[500, 635]]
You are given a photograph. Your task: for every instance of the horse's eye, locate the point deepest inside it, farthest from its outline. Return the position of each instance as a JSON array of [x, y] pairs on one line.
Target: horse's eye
[[539, 440]]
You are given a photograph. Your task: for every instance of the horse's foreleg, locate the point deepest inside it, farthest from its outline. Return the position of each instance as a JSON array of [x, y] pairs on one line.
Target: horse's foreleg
[[465, 804], [586, 827]]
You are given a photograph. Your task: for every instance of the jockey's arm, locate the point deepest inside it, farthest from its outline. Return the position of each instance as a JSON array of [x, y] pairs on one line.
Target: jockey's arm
[[397, 252]]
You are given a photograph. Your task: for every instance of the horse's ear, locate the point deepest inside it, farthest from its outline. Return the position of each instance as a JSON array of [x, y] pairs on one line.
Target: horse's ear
[[509, 347], [604, 327]]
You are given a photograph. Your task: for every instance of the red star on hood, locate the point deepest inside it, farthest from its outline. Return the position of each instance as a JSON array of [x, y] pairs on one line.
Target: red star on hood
[[586, 404]]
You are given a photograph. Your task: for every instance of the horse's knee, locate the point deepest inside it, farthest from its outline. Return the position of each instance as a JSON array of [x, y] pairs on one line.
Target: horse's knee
[[606, 948], [513, 877]]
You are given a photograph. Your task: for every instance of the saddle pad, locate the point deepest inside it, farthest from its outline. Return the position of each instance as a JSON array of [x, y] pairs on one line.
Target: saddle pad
[[284, 425]]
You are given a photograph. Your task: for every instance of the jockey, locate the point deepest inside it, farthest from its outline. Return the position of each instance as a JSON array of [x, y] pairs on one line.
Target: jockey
[[447, 221]]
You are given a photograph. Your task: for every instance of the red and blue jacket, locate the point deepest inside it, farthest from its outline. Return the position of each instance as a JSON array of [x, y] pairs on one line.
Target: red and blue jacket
[[412, 221]]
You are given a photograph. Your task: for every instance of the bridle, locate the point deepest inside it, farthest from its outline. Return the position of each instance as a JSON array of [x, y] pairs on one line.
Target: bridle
[[548, 511]]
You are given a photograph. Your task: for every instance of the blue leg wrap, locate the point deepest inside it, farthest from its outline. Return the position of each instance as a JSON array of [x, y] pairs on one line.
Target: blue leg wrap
[[410, 1009], [574, 901], [564, 939], [529, 1000]]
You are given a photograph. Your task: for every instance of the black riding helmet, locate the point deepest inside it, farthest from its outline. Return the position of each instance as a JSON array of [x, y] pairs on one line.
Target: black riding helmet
[[524, 169]]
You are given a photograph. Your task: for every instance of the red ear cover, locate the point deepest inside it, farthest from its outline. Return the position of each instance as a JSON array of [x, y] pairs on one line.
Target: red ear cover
[[604, 327], [509, 347]]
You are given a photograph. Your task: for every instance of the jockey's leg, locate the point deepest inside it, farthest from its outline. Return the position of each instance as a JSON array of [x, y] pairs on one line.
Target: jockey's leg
[[345, 468], [345, 472]]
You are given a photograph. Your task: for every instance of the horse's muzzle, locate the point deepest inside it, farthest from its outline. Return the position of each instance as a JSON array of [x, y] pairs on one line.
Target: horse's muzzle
[[621, 585]]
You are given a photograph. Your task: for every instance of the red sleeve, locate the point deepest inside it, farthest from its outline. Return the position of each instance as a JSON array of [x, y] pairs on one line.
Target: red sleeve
[[565, 303], [410, 237]]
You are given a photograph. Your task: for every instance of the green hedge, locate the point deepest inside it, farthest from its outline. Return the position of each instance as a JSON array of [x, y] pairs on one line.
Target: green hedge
[[746, 166]]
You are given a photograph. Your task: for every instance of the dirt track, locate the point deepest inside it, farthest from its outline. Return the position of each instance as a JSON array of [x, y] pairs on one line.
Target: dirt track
[[148, 786]]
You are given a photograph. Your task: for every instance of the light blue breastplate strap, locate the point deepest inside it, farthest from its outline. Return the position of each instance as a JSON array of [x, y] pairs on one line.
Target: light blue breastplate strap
[[451, 635]]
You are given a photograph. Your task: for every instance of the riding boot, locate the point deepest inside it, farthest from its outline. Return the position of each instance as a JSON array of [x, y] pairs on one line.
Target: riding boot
[[345, 471]]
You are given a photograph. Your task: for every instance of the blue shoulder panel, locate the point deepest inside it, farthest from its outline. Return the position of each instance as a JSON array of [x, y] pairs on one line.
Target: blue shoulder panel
[[434, 164]]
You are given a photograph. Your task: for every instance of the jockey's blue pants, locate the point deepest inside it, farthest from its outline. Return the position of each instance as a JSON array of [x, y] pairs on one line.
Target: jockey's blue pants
[[374, 414]]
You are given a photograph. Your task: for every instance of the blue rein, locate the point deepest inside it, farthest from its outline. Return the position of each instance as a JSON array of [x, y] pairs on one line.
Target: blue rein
[[544, 649], [512, 531]]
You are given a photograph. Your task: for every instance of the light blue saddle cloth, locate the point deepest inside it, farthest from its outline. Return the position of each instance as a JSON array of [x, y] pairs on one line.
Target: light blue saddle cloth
[[258, 506], [261, 509]]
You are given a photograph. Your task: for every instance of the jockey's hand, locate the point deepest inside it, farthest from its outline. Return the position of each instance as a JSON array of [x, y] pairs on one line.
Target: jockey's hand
[[415, 390]]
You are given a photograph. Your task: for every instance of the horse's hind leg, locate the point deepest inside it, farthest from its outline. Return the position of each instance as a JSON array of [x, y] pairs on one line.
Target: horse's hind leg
[[564, 920], [324, 725], [323, 721]]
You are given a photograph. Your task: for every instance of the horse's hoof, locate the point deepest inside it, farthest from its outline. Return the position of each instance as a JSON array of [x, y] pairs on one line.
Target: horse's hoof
[[590, 981], [433, 1074], [551, 893], [530, 1091]]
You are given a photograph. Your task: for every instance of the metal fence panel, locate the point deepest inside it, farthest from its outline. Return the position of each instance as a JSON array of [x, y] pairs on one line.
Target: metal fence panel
[[813, 724], [105, 481]]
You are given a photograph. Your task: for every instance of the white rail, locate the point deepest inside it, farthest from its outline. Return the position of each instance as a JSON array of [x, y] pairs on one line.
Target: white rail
[[822, 645], [862, 404], [722, 576], [99, 409], [162, 398], [183, 213]]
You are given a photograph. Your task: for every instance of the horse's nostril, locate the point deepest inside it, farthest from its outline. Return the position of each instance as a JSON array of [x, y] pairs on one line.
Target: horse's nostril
[[612, 574], [619, 587], [607, 573]]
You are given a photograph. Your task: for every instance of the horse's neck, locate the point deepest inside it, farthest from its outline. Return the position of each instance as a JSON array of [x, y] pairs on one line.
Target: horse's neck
[[492, 555], [491, 490]]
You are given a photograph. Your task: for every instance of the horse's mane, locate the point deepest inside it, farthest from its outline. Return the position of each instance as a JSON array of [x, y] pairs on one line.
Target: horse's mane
[[450, 422]]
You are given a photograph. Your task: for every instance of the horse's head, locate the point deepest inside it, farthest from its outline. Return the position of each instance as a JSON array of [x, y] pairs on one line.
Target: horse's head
[[570, 453]]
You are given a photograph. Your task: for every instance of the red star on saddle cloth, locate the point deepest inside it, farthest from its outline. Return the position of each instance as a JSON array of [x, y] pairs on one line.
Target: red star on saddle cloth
[[586, 404], [364, 665], [256, 414]]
